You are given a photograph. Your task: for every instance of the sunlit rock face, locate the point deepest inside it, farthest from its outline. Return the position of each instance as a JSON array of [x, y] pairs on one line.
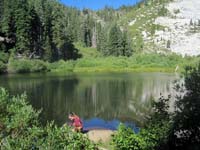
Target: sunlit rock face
[[182, 28]]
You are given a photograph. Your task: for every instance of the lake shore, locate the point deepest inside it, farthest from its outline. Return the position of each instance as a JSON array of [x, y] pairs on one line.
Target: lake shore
[[136, 63]]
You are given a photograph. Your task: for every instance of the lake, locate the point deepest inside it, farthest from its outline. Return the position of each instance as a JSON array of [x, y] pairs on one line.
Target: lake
[[102, 100]]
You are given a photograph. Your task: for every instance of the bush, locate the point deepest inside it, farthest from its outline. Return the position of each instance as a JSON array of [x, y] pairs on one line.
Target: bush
[[153, 136], [126, 139], [149, 138], [185, 133], [2, 67], [138, 62], [20, 128], [4, 57], [26, 66], [62, 66]]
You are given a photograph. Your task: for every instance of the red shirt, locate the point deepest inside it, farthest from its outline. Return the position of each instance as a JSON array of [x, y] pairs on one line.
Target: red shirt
[[77, 122]]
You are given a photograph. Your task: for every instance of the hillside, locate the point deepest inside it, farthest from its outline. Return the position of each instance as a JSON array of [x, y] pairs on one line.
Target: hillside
[[182, 27], [166, 26]]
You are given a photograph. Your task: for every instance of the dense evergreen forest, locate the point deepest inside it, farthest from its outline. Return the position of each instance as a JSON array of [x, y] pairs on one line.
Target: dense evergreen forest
[[37, 35], [46, 29]]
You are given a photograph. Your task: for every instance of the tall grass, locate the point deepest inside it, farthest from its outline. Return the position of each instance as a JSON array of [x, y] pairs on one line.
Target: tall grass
[[26, 66], [138, 62]]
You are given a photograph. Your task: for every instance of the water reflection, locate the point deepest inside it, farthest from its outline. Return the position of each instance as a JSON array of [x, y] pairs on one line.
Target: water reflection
[[125, 96], [97, 123]]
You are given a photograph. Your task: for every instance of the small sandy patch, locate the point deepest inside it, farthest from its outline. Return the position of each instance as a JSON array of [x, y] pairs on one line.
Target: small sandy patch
[[100, 135]]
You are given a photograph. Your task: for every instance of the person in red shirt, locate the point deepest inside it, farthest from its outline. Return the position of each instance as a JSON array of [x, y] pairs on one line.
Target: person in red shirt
[[76, 122]]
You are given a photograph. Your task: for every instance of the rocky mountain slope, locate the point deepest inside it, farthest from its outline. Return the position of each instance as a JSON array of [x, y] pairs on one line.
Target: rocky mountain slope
[[167, 26], [182, 28]]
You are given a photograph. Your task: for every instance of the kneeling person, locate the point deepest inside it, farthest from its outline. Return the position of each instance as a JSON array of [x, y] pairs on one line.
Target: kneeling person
[[76, 122]]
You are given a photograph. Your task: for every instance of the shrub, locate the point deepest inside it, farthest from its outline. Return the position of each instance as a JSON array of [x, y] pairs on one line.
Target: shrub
[[185, 133], [20, 128], [62, 66], [152, 136], [38, 66], [2, 67], [4, 57], [126, 139], [26, 66]]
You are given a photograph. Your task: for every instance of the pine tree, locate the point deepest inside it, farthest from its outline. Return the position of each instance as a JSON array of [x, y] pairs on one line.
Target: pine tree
[[126, 44], [168, 43], [48, 33], [8, 26], [102, 40], [47, 52], [1, 13], [22, 21], [115, 41], [35, 32]]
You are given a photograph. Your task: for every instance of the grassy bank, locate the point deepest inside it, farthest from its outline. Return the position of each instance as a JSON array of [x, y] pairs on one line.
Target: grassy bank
[[136, 63], [26, 66]]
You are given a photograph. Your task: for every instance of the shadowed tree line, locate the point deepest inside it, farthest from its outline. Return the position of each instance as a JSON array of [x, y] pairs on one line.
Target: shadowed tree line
[[46, 29]]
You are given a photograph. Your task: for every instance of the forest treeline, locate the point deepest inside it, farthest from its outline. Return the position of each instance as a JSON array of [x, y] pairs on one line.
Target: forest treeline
[[36, 33], [47, 29]]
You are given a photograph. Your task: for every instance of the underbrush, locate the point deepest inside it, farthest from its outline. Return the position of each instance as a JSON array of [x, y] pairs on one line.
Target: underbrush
[[2, 67], [136, 63], [20, 128], [26, 66]]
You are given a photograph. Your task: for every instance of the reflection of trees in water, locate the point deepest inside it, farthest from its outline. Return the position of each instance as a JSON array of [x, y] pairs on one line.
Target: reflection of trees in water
[[55, 98], [19, 84], [124, 99], [127, 98], [51, 94]]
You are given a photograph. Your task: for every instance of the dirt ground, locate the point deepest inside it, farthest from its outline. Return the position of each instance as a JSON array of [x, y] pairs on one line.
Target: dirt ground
[[100, 135]]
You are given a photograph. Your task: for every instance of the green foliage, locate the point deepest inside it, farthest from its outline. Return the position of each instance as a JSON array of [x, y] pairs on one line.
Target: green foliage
[[4, 57], [47, 29], [163, 11], [38, 29], [26, 66], [87, 52], [126, 139], [86, 29], [62, 66], [2, 67], [126, 45], [20, 128], [137, 62], [186, 132], [177, 11], [153, 136], [115, 43], [164, 130]]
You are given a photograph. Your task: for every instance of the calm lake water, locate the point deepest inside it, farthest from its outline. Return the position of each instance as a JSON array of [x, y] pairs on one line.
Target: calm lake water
[[102, 99]]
